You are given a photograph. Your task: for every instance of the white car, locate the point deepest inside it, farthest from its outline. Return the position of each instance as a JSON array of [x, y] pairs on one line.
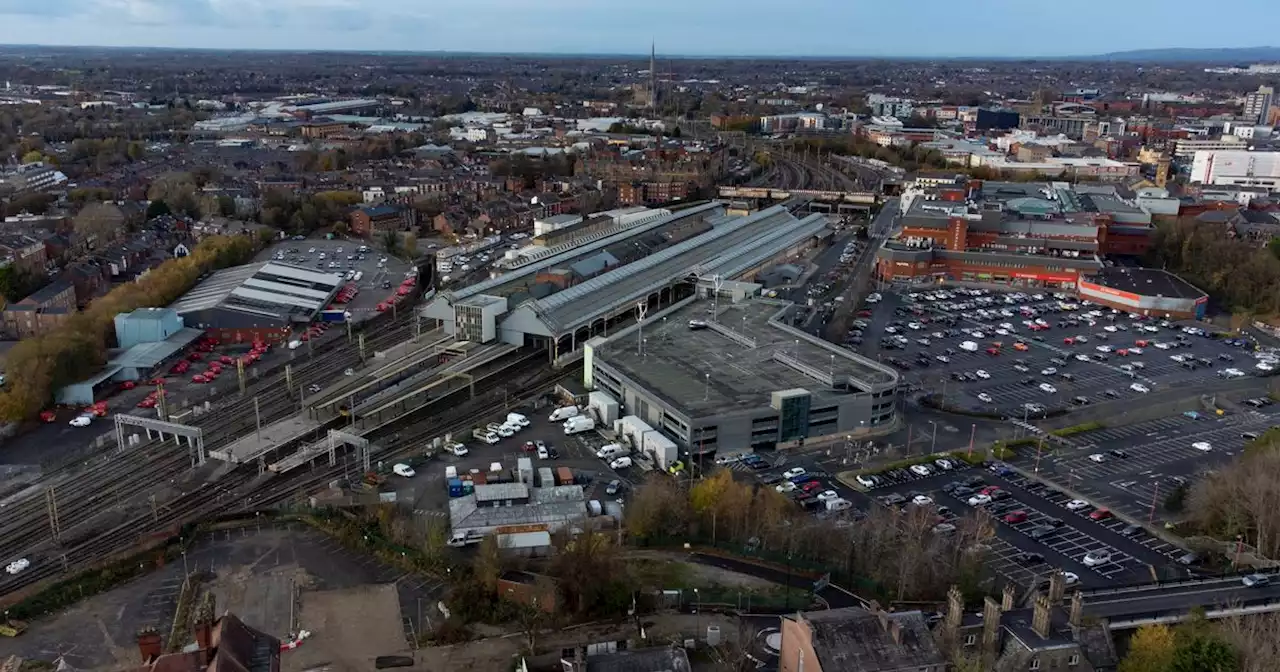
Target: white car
[[1265, 366], [785, 486], [914, 326], [1048, 371], [986, 398], [866, 481], [1162, 345], [81, 420], [1082, 358], [1048, 389], [1098, 557], [793, 473], [17, 565], [827, 495], [1135, 350], [1082, 339], [504, 431], [982, 374], [1202, 446], [489, 438], [1139, 387], [1098, 457], [1070, 578], [921, 500], [1110, 328], [921, 470], [944, 464], [1104, 348], [979, 500], [1077, 505], [943, 358], [620, 463], [402, 469], [459, 450], [727, 459]]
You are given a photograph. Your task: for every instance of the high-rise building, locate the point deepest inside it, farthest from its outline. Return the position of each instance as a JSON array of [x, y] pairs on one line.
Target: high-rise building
[[1257, 105]]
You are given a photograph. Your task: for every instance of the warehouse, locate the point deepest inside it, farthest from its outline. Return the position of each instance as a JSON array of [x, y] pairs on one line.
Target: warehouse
[[736, 376], [1145, 291], [260, 301]]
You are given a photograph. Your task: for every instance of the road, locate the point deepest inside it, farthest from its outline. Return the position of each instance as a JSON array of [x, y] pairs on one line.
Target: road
[[877, 231]]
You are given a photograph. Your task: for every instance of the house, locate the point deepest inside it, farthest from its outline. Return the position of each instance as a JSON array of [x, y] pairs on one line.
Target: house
[[42, 312], [370, 221], [23, 251], [222, 645], [530, 589], [1042, 637], [89, 278], [453, 221], [1256, 225], [853, 638]]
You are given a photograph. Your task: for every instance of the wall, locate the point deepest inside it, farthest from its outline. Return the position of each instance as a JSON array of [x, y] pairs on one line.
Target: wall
[[797, 654]]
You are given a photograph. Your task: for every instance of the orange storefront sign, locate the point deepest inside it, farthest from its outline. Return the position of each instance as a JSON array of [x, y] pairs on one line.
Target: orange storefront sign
[[1092, 287], [521, 529]]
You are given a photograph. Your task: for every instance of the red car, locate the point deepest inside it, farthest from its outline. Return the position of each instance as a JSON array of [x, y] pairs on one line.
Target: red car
[[811, 486], [993, 351], [199, 378], [1015, 517], [1100, 514], [989, 490], [1069, 341], [128, 385], [1123, 352], [147, 403], [1142, 343], [48, 416], [864, 313], [528, 447], [226, 359], [195, 357]]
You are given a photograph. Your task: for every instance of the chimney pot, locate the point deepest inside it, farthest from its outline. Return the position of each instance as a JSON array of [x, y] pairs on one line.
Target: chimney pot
[[150, 644], [1006, 598], [1076, 617], [1040, 618]]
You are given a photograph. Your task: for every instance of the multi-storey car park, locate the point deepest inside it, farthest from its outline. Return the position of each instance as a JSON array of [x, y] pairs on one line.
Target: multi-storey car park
[[547, 301], [715, 374]]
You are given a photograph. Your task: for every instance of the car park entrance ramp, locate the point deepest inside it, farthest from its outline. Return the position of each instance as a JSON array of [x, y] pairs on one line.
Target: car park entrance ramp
[[256, 444]]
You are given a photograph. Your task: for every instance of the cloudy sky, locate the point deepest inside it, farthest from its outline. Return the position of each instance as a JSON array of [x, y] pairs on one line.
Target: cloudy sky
[[686, 27]]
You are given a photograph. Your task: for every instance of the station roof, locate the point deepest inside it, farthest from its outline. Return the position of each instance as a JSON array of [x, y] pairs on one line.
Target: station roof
[[705, 254]]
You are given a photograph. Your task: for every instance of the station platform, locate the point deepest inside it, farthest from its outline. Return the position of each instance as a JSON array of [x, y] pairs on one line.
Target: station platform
[[255, 444]]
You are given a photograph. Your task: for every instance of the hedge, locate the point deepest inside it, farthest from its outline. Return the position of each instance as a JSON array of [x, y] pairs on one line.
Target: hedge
[[1078, 429]]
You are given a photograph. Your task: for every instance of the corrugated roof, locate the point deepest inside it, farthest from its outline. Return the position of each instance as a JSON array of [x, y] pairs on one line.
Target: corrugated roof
[[276, 298], [149, 355]]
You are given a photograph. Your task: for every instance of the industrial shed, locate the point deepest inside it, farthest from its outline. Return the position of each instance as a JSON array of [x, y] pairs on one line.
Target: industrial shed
[[257, 301]]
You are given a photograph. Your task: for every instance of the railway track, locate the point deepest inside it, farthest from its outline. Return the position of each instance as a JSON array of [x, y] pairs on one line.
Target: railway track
[[242, 490]]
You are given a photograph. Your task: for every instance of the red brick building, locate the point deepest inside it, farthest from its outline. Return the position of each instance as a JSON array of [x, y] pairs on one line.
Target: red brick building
[[1030, 235], [369, 222]]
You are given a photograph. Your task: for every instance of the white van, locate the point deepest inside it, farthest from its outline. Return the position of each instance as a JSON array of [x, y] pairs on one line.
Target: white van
[[359, 274], [563, 413], [620, 463], [839, 504], [517, 420], [611, 451], [294, 345]]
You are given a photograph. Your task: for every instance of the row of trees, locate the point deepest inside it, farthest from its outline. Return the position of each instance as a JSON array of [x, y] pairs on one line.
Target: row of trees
[[37, 366], [1241, 644], [897, 552], [1240, 274], [304, 213]]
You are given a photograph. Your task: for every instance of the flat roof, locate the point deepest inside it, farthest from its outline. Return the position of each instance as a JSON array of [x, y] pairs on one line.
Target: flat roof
[[1146, 282], [708, 371], [266, 290], [150, 355], [255, 443]]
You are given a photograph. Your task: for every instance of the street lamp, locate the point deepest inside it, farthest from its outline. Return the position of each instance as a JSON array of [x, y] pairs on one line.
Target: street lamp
[[697, 613], [933, 442]]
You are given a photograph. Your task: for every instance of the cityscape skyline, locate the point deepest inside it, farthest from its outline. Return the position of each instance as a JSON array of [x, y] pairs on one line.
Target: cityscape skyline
[[577, 27]]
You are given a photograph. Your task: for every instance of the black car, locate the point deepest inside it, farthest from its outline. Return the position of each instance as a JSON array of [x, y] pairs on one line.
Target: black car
[[759, 465], [1111, 393], [962, 491], [1130, 530], [1080, 401], [950, 487], [1028, 558], [553, 454], [1116, 452], [1053, 522], [1000, 494], [1028, 381], [771, 479], [973, 481], [1225, 357]]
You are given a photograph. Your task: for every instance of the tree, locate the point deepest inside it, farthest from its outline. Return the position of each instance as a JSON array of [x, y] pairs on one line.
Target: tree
[[157, 208], [32, 156], [389, 242], [1203, 652], [99, 222], [1151, 650]]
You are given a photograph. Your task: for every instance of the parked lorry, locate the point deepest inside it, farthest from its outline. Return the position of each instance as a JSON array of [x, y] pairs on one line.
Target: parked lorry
[[564, 413], [461, 539], [579, 424], [546, 477], [564, 476]]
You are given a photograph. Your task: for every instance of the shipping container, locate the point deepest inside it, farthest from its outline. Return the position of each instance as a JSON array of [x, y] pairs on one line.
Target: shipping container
[[546, 477], [564, 476]]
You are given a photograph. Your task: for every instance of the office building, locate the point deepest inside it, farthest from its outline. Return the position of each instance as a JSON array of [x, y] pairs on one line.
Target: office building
[[1257, 105], [1237, 168]]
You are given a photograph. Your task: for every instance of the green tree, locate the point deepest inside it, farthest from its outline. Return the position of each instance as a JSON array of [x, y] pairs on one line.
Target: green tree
[[390, 242], [1202, 652], [32, 156], [1152, 649], [157, 208]]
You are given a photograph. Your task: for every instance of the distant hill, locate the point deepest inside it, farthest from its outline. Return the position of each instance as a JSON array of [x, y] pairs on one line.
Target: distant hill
[[1226, 55]]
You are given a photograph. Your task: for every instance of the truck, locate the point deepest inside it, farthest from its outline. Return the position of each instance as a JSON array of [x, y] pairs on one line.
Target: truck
[[564, 476], [455, 487], [468, 538], [336, 315], [578, 424], [546, 477], [564, 413]]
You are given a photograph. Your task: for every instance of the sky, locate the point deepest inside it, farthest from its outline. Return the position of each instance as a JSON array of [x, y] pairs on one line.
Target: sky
[[911, 28]]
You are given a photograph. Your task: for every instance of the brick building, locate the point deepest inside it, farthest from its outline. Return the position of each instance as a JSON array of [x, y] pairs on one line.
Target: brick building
[[1029, 235], [371, 221], [654, 175], [42, 312]]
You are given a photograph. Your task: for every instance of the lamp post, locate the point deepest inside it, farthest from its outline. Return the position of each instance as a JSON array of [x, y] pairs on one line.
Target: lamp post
[[933, 442], [697, 613]]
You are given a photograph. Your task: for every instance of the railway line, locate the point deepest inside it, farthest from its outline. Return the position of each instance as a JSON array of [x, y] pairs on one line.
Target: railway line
[[102, 516]]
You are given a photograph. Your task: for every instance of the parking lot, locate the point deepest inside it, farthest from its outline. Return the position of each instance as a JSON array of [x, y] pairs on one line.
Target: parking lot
[[1020, 354], [1035, 530], [430, 495], [378, 279], [1133, 468]]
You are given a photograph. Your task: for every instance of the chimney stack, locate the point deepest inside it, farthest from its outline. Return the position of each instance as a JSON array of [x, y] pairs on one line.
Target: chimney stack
[[1057, 586], [881, 614], [990, 625], [1077, 610], [1040, 618], [895, 631], [1007, 597], [955, 609], [150, 644]]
